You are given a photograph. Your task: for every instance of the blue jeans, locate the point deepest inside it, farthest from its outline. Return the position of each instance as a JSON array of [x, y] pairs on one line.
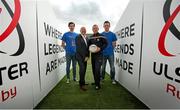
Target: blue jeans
[[68, 64], [110, 58]]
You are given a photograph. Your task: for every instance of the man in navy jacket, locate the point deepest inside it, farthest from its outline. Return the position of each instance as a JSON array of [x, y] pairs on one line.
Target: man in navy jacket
[[96, 57]]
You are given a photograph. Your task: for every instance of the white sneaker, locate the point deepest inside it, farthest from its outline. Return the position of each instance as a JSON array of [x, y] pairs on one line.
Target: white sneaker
[[97, 88], [114, 82], [68, 81]]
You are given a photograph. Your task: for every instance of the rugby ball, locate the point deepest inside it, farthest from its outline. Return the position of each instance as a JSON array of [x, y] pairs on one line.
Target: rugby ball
[[92, 48]]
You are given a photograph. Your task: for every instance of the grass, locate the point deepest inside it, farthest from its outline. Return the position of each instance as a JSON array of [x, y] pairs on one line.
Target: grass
[[69, 96]]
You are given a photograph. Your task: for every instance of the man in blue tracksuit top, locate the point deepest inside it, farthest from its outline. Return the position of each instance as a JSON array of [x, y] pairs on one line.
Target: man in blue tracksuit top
[[69, 44], [108, 52]]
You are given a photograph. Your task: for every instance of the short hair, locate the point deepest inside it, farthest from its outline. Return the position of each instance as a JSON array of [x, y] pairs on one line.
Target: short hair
[[106, 22], [95, 25], [71, 23]]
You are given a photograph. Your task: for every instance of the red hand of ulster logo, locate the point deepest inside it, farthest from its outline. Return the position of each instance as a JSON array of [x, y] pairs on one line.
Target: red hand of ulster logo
[[13, 24], [168, 26]]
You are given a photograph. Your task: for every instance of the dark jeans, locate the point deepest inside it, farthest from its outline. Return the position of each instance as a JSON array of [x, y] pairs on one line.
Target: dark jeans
[[96, 67], [82, 72], [110, 58], [68, 64]]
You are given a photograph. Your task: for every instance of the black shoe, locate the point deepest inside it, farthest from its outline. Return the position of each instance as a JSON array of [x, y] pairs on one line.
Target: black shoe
[[92, 83], [86, 84], [83, 88], [75, 80]]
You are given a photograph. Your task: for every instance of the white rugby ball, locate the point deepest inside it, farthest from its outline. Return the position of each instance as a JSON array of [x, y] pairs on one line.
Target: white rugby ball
[[92, 48]]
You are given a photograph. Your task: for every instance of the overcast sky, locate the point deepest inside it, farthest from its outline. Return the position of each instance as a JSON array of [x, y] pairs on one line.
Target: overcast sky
[[88, 12]]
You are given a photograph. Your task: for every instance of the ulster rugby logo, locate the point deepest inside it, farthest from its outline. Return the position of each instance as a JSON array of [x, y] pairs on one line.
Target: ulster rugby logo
[[14, 24], [168, 26]]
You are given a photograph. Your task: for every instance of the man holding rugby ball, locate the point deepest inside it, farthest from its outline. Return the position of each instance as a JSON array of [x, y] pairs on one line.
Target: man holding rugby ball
[[97, 43]]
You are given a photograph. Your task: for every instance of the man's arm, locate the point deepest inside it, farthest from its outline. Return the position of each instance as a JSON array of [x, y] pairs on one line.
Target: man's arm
[[79, 48], [114, 44], [114, 40], [105, 43], [63, 44], [78, 44]]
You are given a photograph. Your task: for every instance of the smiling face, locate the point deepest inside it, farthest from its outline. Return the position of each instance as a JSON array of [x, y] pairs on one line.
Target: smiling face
[[95, 29], [83, 30], [71, 27], [106, 26]]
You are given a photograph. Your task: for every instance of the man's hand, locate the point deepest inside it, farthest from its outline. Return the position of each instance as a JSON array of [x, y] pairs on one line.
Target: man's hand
[[98, 49], [114, 44], [63, 44], [86, 59]]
